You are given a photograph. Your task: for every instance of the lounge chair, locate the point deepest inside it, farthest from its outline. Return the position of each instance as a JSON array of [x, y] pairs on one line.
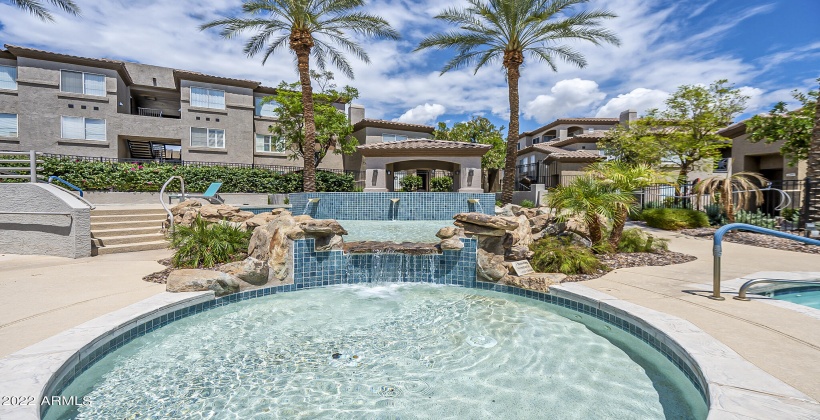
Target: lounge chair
[[211, 194]]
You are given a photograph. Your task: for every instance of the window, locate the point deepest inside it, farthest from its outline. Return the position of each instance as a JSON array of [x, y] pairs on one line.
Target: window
[[83, 128], [8, 77], [207, 98], [393, 137], [536, 140], [83, 83], [8, 125], [518, 146], [265, 109], [267, 143], [207, 137]]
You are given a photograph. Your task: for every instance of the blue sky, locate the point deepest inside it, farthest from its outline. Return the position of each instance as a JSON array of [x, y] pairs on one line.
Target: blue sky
[[766, 47]]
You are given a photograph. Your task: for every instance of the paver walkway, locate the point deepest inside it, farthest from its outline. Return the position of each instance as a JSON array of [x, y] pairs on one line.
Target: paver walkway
[[782, 342], [43, 296]]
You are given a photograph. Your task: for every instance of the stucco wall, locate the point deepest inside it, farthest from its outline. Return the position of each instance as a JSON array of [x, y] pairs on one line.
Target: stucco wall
[[754, 157], [43, 234]]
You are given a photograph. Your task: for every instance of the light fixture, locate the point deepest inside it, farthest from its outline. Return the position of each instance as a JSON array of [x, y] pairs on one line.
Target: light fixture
[[120, 103]]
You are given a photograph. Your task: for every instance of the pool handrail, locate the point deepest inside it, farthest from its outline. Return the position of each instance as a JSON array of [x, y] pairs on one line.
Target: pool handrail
[[70, 185], [161, 201], [741, 294], [717, 249]]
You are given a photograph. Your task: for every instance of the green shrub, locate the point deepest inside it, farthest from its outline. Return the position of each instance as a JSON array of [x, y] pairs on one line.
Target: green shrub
[[715, 214], [527, 204], [149, 177], [636, 240], [499, 203], [674, 219], [441, 184], [411, 183], [206, 244], [559, 255], [790, 214], [757, 218]]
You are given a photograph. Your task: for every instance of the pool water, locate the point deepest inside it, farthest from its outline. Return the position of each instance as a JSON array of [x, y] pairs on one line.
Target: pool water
[[806, 296], [385, 351], [423, 231]]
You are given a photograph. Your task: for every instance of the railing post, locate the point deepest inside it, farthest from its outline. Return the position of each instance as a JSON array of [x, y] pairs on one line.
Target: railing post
[[806, 202], [32, 156]]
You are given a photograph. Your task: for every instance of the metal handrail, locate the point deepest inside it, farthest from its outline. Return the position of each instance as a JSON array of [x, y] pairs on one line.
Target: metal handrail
[[161, 201], [741, 294], [74, 187], [717, 249]]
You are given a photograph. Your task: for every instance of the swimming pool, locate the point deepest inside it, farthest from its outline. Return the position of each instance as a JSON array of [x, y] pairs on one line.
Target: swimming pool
[[387, 350], [806, 296], [423, 231]]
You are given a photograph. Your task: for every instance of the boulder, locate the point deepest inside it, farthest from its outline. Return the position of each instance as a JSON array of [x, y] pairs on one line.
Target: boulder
[[302, 218], [259, 220], [322, 227], [184, 206], [481, 219], [271, 243], [522, 235], [477, 230], [495, 244], [490, 267], [370, 247], [279, 211], [249, 270], [448, 232], [193, 280], [528, 213], [540, 282], [519, 252], [540, 222], [451, 244]]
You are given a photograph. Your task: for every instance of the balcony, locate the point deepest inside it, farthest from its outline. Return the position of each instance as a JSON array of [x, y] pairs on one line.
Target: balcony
[[149, 112]]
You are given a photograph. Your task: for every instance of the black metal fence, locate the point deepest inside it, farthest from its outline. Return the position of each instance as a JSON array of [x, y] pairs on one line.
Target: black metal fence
[[782, 208], [427, 176]]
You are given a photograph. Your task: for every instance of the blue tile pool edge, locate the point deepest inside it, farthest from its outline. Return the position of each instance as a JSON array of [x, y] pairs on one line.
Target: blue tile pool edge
[[75, 366]]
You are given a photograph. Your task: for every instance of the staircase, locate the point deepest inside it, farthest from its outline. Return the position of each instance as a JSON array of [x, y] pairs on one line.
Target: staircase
[[127, 230]]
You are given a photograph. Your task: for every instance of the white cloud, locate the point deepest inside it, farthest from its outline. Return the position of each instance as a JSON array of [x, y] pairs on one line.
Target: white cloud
[[565, 96], [640, 99], [422, 114]]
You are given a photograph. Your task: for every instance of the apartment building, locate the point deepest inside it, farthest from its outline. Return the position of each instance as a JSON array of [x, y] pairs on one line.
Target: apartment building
[[64, 104]]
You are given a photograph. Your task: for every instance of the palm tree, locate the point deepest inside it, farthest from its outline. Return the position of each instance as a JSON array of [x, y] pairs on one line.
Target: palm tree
[[624, 177], [507, 30], [593, 201], [722, 189], [36, 8], [308, 28]]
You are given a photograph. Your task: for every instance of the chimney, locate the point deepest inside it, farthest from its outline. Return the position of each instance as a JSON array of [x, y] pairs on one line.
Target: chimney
[[355, 113], [627, 117]]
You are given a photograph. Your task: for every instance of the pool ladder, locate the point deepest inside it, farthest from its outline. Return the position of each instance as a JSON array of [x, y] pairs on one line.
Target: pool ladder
[[741, 294]]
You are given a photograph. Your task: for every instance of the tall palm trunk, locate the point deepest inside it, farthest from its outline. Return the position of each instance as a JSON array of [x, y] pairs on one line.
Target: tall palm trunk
[[618, 228], [302, 42], [512, 62], [813, 172]]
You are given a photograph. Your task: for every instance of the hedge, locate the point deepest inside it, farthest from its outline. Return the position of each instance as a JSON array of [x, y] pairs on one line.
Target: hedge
[[674, 219], [149, 177]]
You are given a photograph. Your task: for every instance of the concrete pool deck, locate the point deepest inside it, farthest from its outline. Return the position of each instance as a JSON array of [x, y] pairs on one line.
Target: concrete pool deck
[[47, 295]]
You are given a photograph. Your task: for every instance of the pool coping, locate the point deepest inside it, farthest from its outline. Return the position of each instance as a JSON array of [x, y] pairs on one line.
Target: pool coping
[[735, 387], [733, 286]]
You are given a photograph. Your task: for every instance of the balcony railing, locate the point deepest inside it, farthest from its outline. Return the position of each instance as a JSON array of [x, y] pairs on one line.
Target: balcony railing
[[149, 112]]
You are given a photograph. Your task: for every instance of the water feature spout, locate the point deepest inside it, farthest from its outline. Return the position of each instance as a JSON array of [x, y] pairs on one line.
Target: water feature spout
[[313, 200], [309, 202], [394, 208], [395, 200], [476, 202]]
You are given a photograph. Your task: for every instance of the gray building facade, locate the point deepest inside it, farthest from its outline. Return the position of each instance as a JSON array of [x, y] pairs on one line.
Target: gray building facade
[[63, 104]]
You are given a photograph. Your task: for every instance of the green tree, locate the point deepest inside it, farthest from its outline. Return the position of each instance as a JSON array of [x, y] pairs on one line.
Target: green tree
[[36, 8], [593, 202], [623, 177], [478, 130], [506, 31], [309, 28], [685, 133], [794, 127], [813, 212], [333, 130]]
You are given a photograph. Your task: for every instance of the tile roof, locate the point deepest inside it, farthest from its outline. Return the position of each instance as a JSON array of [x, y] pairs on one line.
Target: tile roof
[[580, 138], [426, 144], [560, 121], [197, 76], [392, 124], [73, 59], [554, 153]]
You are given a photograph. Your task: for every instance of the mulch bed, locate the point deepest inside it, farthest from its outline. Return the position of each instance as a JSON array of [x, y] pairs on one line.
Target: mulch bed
[[636, 259], [755, 239], [160, 276]]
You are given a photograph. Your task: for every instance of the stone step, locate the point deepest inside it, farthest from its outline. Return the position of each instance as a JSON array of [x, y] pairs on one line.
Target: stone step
[[108, 233], [127, 224], [117, 249], [127, 212], [127, 239], [126, 218]]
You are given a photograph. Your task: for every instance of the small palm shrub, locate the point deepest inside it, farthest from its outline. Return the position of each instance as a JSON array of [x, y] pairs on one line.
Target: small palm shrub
[[674, 219], [441, 184], [715, 214], [206, 244], [411, 183], [559, 255], [527, 204], [636, 240]]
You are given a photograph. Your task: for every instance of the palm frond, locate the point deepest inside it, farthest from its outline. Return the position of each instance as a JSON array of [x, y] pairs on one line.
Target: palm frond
[[36, 8]]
